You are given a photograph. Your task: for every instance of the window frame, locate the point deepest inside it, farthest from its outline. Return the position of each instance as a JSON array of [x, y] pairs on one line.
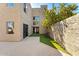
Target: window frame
[[36, 20]]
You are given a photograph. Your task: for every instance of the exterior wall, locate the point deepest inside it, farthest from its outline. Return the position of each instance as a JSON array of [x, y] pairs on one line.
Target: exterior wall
[[56, 32], [67, 34], [39, 12], [19, 17], [71, 35], [10, 14], [27, 17]]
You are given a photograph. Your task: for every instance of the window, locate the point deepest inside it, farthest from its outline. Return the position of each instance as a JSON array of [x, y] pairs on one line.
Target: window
[[25, 10], [25, 7], [36, 20], [10, 5], [10, 26]]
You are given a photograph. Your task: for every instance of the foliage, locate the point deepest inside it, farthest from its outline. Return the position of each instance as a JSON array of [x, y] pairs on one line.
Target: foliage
[[49, 18], [46, 23], [55, 15], [67, 11]]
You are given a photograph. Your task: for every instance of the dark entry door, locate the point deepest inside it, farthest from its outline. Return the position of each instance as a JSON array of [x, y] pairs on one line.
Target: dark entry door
[[25, 30], [36, 30]]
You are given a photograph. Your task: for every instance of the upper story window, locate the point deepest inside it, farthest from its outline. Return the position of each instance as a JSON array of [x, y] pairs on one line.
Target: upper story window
[[10, 5], [25, 7], [36, 20]]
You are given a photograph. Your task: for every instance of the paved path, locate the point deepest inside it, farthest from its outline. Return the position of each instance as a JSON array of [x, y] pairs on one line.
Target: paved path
[[30, 46]]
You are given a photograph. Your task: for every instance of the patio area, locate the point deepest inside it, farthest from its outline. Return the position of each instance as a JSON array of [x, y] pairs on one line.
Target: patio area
[[30, 46]]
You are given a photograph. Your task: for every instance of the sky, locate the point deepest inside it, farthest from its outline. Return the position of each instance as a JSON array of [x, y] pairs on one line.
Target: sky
[[37, 5]]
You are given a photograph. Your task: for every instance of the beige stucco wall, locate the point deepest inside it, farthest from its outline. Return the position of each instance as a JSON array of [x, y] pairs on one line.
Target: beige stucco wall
[[27, 18], [10, 14], [19, 17], [39, 12]]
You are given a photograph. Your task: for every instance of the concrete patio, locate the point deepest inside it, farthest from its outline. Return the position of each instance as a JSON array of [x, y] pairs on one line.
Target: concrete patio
[[30, 46]]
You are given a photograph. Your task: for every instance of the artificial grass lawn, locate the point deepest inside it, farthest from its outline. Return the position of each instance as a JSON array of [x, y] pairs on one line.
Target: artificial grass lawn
[[51, 42], [46, 40]]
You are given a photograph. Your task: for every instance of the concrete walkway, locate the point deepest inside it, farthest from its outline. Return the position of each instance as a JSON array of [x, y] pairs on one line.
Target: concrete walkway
[[30, 46]]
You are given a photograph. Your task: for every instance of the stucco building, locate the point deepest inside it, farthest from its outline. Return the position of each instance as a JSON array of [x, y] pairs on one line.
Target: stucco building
[[18, 20]]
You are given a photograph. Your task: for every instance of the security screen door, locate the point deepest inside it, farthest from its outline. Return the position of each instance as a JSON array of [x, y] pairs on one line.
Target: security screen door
[[25, 30]]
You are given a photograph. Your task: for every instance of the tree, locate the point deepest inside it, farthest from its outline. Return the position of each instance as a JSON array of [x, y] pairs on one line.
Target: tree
[[67, 11], [52, 16]]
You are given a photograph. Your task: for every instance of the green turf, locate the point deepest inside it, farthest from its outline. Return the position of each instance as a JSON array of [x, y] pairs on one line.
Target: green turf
[[51, 42], [46, 40]]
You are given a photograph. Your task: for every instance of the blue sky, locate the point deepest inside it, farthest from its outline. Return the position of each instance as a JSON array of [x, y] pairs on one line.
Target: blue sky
[[37, 5]]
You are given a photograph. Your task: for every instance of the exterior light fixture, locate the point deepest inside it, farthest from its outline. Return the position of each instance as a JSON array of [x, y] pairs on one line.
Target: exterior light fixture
[[10, 27]]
